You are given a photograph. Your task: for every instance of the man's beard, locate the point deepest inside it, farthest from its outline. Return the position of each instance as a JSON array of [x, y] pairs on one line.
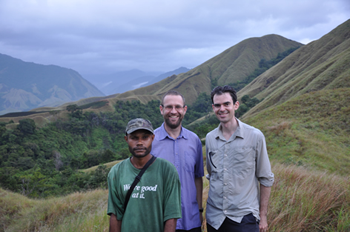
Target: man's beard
[[171, 125], [147, 151]]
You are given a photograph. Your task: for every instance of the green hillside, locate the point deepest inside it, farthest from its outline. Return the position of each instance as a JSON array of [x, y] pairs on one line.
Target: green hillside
[[311, 130], [322, 64]]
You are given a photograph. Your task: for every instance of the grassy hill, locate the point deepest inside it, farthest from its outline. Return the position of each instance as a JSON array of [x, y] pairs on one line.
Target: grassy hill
[[311, 130], [232, 65], [322, 64]]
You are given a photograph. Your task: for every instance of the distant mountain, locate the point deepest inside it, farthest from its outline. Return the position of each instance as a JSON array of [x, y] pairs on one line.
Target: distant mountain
[[121, 82], [25, 85], [108, 84], [168, 74]]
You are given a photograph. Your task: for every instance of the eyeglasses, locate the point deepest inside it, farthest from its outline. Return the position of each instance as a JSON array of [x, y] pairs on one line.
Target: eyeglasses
[[169, 107]]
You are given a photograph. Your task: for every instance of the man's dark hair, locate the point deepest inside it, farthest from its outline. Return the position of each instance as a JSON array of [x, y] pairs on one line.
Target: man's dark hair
[[219, 90], [172, 92]]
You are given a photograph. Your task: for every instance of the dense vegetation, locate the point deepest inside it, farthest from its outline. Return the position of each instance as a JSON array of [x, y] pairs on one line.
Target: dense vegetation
[[40, 162]]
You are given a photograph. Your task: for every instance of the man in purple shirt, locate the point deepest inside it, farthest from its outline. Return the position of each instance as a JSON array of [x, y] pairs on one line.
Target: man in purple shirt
[[183, 149]]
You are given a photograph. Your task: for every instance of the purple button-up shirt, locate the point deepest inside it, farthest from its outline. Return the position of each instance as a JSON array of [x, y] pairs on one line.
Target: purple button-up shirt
[[185, 153]]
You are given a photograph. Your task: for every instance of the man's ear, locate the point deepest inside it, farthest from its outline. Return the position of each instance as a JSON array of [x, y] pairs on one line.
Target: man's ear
[[185, 109], [161, 109], [126, 138], [236, 105]]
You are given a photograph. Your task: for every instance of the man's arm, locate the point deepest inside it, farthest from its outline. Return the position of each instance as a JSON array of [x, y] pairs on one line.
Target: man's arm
[[170, 225], [264, 202], [199, 187], [114, 224]]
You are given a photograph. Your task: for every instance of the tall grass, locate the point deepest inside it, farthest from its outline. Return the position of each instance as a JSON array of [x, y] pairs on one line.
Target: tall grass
[[301, 200], [75, 212], [308, 201]]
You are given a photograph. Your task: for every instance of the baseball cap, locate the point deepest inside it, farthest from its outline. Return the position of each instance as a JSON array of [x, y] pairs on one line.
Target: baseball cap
[[138, 124]]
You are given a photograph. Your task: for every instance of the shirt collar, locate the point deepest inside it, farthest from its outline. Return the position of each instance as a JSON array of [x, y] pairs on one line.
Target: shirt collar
[[238, 133], [164, 134]]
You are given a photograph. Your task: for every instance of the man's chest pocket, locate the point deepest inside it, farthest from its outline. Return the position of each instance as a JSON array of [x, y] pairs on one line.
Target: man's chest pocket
[[190, 162], [243, 158]]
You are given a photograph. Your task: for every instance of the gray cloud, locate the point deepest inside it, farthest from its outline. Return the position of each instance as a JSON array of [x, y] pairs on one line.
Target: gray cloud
[[106, 36]]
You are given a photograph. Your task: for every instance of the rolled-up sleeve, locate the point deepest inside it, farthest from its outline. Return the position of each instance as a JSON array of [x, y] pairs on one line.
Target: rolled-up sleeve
[[263, 166]]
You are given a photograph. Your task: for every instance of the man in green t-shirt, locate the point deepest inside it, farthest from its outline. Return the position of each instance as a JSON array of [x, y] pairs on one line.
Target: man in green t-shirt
[[155, 202]]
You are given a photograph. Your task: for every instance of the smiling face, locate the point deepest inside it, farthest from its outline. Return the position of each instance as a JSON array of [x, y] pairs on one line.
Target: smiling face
[[224, 108], [140, 143], [173, 110]]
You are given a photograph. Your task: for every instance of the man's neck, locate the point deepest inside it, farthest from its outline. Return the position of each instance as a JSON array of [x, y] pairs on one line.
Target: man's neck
[[174, 133], [229, 128], [140, 162]]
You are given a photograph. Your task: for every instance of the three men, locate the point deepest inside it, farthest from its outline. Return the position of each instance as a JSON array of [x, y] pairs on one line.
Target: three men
[[183, 149], [155, 202], [237, 162]]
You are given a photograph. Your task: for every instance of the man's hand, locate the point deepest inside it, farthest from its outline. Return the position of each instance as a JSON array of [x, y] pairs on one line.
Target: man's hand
[[263, 224], [264, 201]]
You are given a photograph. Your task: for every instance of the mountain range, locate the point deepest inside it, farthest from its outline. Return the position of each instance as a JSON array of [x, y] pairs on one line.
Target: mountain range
[[26, 85], [321, 64]]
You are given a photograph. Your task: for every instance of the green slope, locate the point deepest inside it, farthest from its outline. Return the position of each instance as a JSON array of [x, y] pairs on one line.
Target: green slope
[[311, 130], [322, 64]]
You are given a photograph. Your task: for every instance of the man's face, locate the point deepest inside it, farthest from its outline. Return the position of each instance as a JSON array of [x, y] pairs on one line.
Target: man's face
[[224, 108], [173, 110], [140, 143]]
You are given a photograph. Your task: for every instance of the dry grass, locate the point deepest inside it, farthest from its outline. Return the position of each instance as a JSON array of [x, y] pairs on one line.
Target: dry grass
[[76, 212], [308, 201], [301, 200]]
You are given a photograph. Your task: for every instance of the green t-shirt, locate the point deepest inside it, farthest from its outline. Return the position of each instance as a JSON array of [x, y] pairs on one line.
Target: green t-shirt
[[155, 199]]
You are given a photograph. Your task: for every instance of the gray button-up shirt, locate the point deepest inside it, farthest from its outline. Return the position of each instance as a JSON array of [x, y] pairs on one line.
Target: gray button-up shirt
[[235, 169]]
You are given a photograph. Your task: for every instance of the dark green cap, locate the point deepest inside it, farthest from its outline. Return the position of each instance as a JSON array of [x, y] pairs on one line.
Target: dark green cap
[[138, 124]]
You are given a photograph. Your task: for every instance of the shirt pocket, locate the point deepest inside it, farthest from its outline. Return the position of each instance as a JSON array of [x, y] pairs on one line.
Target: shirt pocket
[[243, 161], [190, 162]]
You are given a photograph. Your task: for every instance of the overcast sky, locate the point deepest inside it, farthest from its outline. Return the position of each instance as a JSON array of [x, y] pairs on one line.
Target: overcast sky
[[105, 36]]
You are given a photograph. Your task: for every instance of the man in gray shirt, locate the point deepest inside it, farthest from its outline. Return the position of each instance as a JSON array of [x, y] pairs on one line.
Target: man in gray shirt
[[239, 170]]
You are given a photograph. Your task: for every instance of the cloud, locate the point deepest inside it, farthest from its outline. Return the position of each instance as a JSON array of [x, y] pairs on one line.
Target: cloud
[[100, 37]]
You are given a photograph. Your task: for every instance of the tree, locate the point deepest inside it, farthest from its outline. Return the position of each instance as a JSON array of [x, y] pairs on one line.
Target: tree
[[26, 126], [75, 111]]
